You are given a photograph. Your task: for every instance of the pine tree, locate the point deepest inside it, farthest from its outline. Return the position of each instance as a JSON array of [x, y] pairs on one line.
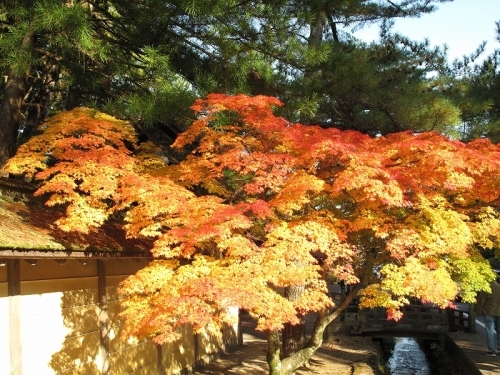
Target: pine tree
[[477, 93], [147, 61], [37, 39]]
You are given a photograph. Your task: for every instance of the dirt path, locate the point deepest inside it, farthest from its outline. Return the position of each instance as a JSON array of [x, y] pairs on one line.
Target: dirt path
[[347, 355]]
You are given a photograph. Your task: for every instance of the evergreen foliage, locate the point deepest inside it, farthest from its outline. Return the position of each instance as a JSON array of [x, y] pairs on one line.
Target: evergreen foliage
[[147, 61], [477, 93]]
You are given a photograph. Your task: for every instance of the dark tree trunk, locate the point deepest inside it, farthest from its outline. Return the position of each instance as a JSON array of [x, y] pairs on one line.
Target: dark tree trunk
[[316, 30], [74, 97], [333, 28], [10, 108], [39, 104], [36, 114], [294, 336], [10, 114], [288, 365]]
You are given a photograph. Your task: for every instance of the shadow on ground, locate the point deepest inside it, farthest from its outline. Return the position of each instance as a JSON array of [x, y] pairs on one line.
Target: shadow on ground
[[338, 357]]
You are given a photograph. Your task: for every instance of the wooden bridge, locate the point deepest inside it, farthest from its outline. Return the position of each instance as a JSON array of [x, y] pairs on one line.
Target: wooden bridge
[[418, 321]]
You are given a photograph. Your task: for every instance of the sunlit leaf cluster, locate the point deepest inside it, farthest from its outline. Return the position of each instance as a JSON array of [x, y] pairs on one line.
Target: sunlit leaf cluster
[[261, 204]]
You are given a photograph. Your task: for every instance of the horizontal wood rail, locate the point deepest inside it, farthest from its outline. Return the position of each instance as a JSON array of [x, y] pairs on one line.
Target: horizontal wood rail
[[416, 317]]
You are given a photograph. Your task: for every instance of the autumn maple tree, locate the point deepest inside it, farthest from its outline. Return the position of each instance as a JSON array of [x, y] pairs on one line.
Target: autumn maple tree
[[260, 204]]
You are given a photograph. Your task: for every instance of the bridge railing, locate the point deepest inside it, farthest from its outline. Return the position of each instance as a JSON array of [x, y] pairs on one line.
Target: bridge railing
[[462, 320], [416, 317]]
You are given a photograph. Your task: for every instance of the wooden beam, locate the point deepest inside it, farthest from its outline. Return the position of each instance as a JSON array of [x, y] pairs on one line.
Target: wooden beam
[[159, 352], [103, 318], [14, 292], [197, 357], [14, 277], [70, 254]]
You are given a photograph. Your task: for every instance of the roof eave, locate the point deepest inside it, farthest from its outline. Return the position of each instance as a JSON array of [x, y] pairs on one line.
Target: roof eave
[[71, 254]]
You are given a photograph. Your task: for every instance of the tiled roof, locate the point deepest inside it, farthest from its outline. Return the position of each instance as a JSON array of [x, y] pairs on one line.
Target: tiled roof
[[26, 224]]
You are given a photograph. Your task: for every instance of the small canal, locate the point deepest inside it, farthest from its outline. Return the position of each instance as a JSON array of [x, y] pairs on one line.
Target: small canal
[[409, 356]]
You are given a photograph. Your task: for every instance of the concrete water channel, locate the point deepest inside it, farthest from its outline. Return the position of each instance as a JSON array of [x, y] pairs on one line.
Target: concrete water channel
[[408, 358], [460, 333]]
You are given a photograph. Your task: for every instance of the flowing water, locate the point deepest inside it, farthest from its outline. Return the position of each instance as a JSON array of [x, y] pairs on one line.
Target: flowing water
[[407, 358]]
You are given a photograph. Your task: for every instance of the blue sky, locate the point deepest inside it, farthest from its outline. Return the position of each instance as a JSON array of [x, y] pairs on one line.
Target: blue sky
[[462, 25]]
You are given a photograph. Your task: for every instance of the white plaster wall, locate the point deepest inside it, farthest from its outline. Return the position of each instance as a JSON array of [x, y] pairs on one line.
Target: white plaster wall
[[4, 336], [59, 330]]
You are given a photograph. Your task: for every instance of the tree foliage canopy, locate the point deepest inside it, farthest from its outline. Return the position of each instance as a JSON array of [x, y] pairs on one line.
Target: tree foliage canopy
[[147, 61], [260, 204], [353, 180]]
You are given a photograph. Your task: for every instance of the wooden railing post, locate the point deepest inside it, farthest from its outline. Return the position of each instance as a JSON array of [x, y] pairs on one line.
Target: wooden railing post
[[472, 318]]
